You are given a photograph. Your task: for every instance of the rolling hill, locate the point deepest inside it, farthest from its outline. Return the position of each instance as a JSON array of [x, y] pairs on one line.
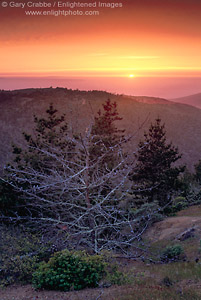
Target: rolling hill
[[183, 122], [194, 100]]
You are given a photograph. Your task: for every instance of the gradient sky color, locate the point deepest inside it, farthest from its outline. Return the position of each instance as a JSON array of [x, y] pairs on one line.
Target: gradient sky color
[[144, 38]]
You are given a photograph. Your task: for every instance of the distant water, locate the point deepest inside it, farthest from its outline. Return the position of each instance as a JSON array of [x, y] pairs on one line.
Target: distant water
[[164, 87]]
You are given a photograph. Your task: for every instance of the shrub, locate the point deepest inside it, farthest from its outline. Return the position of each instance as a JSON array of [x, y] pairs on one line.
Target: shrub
[[20, 253], [18, 269], [172, 253], [114, 276], [179, 203], [179, 199], [179, 206], [67, 270]]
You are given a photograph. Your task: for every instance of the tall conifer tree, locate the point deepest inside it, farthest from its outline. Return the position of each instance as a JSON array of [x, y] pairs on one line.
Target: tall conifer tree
[[154, 175]]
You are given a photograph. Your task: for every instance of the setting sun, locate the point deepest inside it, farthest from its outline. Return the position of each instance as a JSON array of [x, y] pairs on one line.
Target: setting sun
[[131, 76]]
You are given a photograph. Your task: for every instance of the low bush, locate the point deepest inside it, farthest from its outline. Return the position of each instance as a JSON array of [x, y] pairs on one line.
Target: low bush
[[172, 253], [67, 270], [17, 269], [114, 276]]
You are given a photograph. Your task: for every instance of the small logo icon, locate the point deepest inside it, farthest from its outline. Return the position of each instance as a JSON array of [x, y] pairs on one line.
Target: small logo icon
[[4, 4]]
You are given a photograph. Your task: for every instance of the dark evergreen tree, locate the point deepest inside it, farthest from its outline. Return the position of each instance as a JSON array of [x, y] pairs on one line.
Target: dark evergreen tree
[[106, 142], [104, 121], [107, 138], [154, 176], [41, 160], [50, 138], [36, 159], [101, 151]]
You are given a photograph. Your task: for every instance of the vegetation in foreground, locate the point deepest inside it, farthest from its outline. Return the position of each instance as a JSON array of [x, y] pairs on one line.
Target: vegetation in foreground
[[178, 277]]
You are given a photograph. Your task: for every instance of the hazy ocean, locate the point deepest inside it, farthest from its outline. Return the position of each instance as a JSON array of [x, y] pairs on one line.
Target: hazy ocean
[[164, 87]]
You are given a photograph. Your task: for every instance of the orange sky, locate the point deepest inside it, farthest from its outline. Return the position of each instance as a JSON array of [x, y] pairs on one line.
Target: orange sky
[[144, 38]]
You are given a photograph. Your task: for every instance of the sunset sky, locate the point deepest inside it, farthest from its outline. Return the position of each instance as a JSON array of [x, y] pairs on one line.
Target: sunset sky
[[142, 39]]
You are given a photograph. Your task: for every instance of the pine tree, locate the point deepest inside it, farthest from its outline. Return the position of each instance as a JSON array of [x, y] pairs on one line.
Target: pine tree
[[154, 176], [50, 140], [41, 160], [107, 138], [101, 151]]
